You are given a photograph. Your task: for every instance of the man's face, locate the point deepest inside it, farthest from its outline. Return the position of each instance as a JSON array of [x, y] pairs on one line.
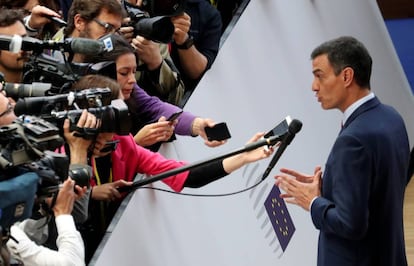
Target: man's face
[[328, 87], [103, 24], [7, 115], [13, 62]]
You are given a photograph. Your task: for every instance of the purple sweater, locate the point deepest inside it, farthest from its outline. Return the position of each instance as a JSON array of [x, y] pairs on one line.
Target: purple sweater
[[154, 108]]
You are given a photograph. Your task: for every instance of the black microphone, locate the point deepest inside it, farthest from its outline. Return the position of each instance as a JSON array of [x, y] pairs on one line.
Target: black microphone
[[294, 127], [85, 46]]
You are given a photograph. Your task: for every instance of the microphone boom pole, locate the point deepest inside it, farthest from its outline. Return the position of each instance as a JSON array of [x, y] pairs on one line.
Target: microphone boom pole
[[251, 146]]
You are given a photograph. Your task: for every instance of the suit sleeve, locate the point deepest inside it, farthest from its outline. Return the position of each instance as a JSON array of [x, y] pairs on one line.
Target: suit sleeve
[[343, 208]]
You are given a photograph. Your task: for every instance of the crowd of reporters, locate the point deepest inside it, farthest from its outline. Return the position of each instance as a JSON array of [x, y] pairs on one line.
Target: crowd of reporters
[[87, 88]]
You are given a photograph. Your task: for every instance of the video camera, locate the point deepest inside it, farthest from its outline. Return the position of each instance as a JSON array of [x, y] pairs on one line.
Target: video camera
[[29, 169], [44, 105], [153, 20], [60, 76], [113, 115], [114, 118]]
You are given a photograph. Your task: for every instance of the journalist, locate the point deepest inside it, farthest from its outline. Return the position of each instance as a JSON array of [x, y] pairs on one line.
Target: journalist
[[70, 251], [156, 72], [144, 109]]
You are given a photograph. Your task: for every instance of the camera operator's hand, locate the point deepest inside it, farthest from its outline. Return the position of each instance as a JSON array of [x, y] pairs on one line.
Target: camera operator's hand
[[182, 25], [67, 196], [148, 52], [127, 31], [39, 16], [155, 132], [79, 146], [199, 124], [109, 191]]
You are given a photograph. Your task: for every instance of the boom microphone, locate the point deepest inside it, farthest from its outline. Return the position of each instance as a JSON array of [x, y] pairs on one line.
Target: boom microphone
[[294, 127], [85, 46]]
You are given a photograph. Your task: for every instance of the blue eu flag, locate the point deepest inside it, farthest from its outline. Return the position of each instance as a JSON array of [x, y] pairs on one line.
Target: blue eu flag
[[279, 216]]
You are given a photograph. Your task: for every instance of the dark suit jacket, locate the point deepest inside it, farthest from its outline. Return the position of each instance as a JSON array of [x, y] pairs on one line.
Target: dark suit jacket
[[360, 213]]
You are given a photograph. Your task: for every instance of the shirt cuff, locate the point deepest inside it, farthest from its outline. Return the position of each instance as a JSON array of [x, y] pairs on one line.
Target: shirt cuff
[[310, 205], [26, 24]]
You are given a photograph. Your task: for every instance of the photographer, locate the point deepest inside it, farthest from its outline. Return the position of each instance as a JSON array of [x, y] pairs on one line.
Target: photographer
[[156, 71], [70, 245], [195, 46]]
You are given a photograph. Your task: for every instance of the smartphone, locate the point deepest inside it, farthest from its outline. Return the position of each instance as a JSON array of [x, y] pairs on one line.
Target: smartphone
[[174, 116], [218, 132], [280, 129]]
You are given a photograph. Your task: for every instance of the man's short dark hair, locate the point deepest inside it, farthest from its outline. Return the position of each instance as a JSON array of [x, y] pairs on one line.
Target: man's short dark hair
[[344, 52], [90, 9], [10, 16]]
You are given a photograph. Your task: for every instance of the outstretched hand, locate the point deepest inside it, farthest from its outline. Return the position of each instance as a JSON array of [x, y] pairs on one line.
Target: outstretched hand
[[109, 191], [155, 132], [299, 188], [198, 128]]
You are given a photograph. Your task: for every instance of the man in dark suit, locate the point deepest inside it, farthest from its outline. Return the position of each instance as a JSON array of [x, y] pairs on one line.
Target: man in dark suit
[[358, 203]]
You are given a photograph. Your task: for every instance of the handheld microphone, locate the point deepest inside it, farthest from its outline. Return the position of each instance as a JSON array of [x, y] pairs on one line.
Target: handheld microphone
[[85, 46], [294, 127]]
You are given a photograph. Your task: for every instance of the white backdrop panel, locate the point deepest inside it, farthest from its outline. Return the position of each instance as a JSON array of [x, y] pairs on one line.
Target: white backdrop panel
[[262, 74]]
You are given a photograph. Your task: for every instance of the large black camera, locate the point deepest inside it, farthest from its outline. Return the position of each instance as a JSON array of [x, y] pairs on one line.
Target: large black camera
[[113, 118], [25, 139], [153, 20], [43, 106], [61, 75], [113, 115], [29, 167]]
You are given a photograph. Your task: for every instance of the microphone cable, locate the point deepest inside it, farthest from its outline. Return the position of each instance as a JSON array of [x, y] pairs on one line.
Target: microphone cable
[[204, 195]]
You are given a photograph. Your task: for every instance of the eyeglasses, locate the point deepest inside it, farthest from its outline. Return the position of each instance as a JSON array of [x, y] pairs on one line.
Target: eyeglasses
[[8, 110], [107, 26]]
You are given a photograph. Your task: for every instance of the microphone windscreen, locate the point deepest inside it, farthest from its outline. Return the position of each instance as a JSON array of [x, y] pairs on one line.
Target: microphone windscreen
[[295, 126], [87, 46]]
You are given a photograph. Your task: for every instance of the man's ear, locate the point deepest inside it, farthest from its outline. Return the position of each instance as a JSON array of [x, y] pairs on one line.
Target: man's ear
[[79, 23], [348, 75]]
